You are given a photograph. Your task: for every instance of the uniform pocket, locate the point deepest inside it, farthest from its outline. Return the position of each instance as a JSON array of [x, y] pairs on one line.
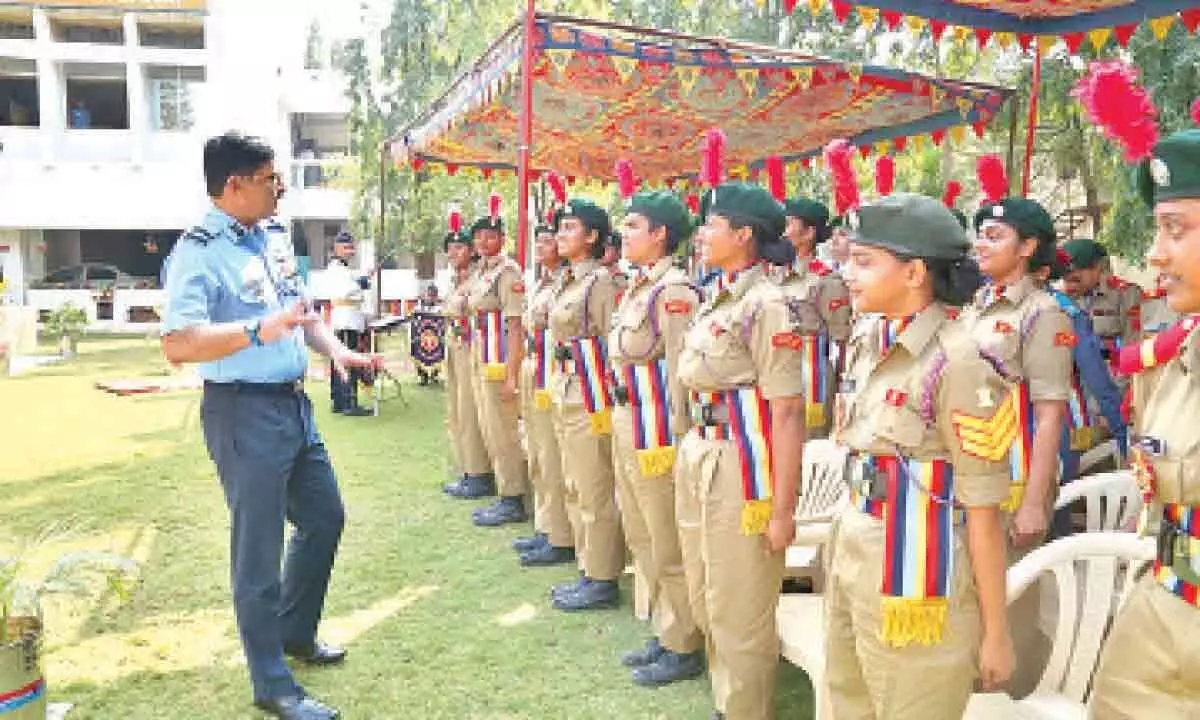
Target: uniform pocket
[[901, 426]]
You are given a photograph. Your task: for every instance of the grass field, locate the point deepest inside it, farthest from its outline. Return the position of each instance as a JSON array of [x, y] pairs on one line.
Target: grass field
[[440, 620]]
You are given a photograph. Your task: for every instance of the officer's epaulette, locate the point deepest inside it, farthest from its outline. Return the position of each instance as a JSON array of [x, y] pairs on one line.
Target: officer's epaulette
[[199, 235]]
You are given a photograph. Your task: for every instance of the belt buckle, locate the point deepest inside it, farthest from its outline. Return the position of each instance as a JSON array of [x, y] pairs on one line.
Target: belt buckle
[[621, 394]]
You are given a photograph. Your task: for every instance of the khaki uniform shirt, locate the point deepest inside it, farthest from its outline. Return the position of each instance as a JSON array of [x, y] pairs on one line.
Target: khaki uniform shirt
[[458, 312], [1025, 334], [911, 400], [537, 310], [1114, 306], [1157, 315], [497, 285], [583, 301], [635, 339], [742, 337], [1165, 399], [812, 281]]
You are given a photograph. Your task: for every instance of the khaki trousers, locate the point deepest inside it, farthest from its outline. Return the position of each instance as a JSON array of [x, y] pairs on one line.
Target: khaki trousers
[[462, 418], [1150, 667], [545, 467], [648, 516], [734, 587], [590, 487], [499, 420], [870, 680]]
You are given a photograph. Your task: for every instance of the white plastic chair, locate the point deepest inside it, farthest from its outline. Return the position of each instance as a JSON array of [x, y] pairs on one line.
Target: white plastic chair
[[801, 622], [823, 494], [1093, 573], [1112, 499], [1107, 450]]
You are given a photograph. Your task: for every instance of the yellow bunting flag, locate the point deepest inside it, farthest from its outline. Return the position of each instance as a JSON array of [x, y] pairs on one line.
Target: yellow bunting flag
[[868, 16], [1005, 39], [1099, 37], [1046, 43], [958, 133], [814, 6], [1161, 26]]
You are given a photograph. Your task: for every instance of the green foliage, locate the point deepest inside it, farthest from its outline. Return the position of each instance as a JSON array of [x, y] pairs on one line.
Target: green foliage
[[67, 321]]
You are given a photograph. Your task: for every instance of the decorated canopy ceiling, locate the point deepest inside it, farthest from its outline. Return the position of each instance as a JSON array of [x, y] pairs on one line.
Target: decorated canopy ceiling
[[605, 93]]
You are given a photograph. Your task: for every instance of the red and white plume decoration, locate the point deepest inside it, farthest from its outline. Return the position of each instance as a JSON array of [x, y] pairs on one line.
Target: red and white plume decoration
[[885, 175], [713, 170], [626, 181], [693, 203], [776, 178], [950, 196], [558, 188], [845, 182], [494, 206], [1196, 111], [455, 221], [993, 178], [1112, 98]]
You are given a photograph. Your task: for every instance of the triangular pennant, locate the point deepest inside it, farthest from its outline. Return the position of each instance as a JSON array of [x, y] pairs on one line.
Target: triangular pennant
[[937, 96], [818, 162], [1099, 37], [900, 143], [958, 133], [1124, 33], [1074, 41], [687, 75], [805, 76], [868, 16], [624, 66], [964, 106], [938, 28], [855, 71], [561, 58], [814, 6], [792, 168], [961, 34], [806, 162], [841, 10], [1004, 39], [915, 25], [979, 128], [1025, 40], [486, 173], [1161, 26], [1046, 43], [451, 169], [918, 142], [883, 147], [865, 151], [982, 35], [749, 79], [892, 18], [938, 137], [1191, 19]]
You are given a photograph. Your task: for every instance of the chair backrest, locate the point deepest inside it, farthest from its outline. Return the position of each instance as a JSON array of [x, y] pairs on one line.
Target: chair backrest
[[822, 490], [1112, 499], [1107, 450], [1093, 573]]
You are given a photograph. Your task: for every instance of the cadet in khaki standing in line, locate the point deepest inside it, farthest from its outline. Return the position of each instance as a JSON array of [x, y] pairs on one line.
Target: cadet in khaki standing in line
[[1025, 335], [580, 318], [819, 301], [496, 300], [1151, 663], [650, 414], [553, 541], [475, 479], [928, 424], [738, 469], [1115, 305]]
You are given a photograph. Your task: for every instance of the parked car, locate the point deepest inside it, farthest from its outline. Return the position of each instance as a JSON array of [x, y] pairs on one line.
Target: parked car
[[91, 276]]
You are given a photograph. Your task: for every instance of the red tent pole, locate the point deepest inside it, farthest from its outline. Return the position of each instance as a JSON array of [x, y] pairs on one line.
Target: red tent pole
[[1034, 91], [526, 140]]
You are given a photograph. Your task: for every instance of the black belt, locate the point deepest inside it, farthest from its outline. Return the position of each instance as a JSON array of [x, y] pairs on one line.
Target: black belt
[[708, 415], [295, 387], [562, 353], [861, 474]]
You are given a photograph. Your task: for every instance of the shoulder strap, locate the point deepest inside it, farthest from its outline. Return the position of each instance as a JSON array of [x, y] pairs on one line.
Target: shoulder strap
[[199, 235]]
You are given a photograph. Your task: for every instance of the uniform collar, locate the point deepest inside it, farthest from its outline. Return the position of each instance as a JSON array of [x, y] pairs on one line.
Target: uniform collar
[[218, 222], [654, 273], [737, 283], [1012, 294], [921, 330], [1189, 353], [493, 262], [580, 269]]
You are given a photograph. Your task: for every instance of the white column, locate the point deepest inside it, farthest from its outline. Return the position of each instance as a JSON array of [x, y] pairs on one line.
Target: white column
[[135, 88], [52, 104]]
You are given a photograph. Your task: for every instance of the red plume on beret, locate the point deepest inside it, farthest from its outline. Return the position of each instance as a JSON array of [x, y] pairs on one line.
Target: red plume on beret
[[713, 171], [953, 190], [693, 203], [885, 175], [993, 178], [1113, 100], [455, 221], [1062, 257], [626, 182], [845, 182], [557, 187], [494, 206], [1196, 111], [776, 178]]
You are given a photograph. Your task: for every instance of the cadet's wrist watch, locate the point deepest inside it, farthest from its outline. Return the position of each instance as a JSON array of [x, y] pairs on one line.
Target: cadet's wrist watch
[[252, 327]]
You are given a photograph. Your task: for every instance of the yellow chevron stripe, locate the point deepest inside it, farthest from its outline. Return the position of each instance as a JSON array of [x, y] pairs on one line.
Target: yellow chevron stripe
[[989, 438]]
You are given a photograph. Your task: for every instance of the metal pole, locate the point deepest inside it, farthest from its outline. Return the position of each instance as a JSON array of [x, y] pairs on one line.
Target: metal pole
[[1034, 91], [526, 139], [383, 160]]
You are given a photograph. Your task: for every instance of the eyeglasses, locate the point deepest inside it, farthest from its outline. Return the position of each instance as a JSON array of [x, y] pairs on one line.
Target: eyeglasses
[[273, 179]]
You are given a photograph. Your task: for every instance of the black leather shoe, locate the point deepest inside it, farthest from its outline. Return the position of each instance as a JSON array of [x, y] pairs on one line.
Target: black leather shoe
[[357, 411], [505, 511], [670, 667], [527, 544], [596, 595], [569, 587], [474, 487], [547, 555], [295, 707], [454, 487], [718, 716], [644, 655], [316, 654]]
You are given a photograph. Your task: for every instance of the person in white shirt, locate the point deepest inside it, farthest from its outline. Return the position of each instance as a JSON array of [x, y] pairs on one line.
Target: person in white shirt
[[346, 293]]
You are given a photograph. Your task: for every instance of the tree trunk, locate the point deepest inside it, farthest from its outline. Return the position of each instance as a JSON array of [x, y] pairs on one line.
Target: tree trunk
[[426, 262]]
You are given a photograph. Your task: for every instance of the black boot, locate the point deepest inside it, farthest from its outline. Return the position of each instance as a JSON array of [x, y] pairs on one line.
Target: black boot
[[670, 667], [569, 587], [595, 595], [455, 487], [547, 555], [529, 544], [474, 487], [644, 655], [504, 511]]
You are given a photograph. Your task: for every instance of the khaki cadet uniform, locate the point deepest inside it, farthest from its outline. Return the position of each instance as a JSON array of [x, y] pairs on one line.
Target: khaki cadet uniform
[[582, 307], [1157, 314], [1115, 312], [497, 287], [462, 417], [644, 345], [545, 457], [908, 402], [810, 285], [741, 339]]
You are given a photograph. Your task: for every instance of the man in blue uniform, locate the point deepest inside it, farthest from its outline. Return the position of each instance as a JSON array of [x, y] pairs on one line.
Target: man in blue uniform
[[233, 313]]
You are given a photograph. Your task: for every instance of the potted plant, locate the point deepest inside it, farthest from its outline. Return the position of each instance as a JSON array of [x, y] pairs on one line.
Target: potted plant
[[66, 325], [22, 682]]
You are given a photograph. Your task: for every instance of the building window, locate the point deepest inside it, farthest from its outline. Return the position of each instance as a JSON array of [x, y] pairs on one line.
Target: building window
[[173, 38], [172, 96], [97, 98], [12, 30], [99, 29], [19, 106]]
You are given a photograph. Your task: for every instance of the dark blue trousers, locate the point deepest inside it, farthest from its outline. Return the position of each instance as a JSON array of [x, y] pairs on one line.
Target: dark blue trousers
[[274, 469], [344, 393]]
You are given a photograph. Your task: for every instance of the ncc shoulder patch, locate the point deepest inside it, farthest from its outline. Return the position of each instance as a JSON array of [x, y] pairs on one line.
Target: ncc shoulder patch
[[1004, 328], [838, 303], [952, 313], [518, 287], [788, 340], [1065, 339], [678, 307]]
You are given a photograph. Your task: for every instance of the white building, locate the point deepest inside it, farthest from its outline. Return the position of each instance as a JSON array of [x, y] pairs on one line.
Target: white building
[[104, 108]]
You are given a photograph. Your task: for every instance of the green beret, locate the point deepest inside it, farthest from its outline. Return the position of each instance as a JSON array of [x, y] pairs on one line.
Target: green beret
[[1085, 253], [589, 213], [812, 212], [910, 225], [840, 221], [455, 237], [1173, 170], [613, 239], [753, 204], [664, 208], [487, 223], [960, 216], [1027, 217]]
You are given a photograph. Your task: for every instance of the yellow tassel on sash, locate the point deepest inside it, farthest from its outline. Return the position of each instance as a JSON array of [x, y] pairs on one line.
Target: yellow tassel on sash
[[495, 372], [913, 621], [1084, 439], [756, 515], [541, 399], [655, 462], [814, 415], [602, 422], [1016, 495]]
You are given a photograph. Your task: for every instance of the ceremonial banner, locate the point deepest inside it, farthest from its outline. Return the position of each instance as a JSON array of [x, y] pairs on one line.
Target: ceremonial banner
[[428, 340]]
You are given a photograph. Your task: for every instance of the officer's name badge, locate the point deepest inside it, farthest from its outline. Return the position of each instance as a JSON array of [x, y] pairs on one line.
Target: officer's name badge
[[1160, 172]]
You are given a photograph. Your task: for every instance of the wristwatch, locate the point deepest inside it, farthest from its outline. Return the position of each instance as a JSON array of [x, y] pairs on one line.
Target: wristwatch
[[252, 327]]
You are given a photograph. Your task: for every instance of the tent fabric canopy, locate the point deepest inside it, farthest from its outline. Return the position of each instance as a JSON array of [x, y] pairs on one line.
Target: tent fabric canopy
[[603, 92]]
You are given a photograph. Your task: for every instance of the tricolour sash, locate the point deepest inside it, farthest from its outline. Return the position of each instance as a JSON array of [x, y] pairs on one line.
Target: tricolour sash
[[650, 406], [1021, 453], [11, 702], [814, 352], [591, 366], [493, 350], [1186, 519], [1080, 420], [541, 368], [749, 428]]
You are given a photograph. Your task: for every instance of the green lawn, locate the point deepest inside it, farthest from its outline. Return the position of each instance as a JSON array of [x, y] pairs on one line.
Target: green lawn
[[440, 620]]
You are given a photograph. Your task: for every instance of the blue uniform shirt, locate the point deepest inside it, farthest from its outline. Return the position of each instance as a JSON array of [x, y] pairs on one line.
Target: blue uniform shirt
[[219, 272]]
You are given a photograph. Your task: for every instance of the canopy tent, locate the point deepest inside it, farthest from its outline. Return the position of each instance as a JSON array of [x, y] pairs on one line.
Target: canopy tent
[[597, 92]]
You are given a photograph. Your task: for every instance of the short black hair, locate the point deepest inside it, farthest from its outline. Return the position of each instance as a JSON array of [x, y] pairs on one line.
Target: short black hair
[[232, 154]]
